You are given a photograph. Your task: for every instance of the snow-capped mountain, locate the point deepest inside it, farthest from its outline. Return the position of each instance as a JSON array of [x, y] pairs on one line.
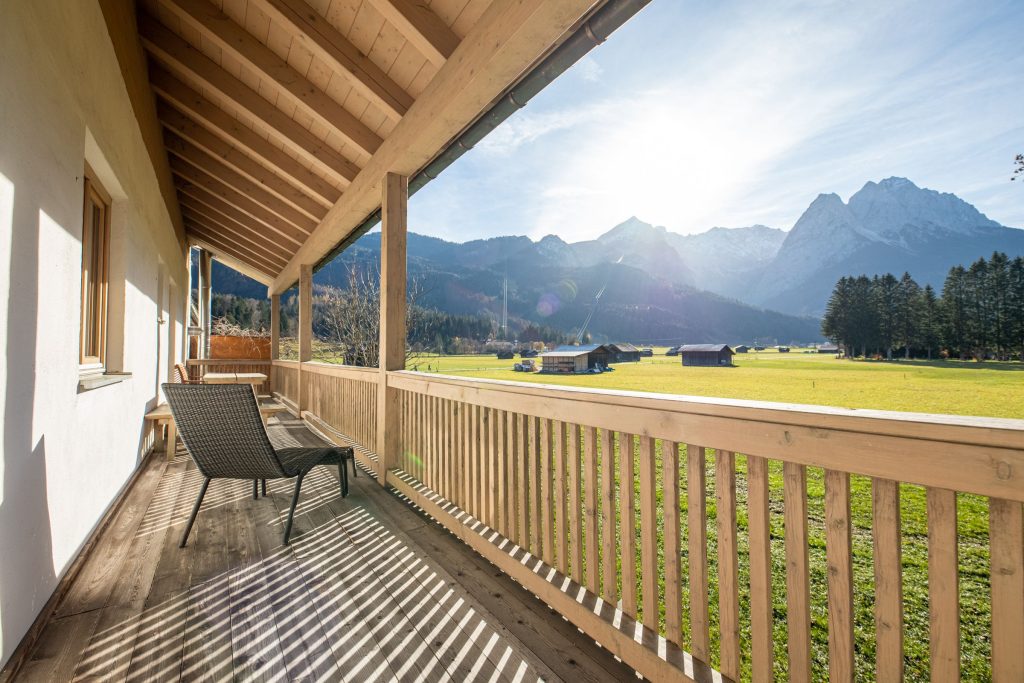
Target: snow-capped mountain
[[889, 226]]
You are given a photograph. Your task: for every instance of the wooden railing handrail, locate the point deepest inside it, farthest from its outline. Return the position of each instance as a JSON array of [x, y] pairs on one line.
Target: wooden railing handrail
[[973, 455], [227, 361]]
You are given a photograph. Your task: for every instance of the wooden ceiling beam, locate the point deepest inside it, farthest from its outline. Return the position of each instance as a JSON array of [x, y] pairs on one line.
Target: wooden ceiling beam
[[171, 49], [227, 255], [243, 251], [255, 241], [185, 150], [214, 201], [222, 31], [187, 129], [508, 40], [207, 114], [321, 38], [421, 27], [236, 248], [219, 245], [187, 173]]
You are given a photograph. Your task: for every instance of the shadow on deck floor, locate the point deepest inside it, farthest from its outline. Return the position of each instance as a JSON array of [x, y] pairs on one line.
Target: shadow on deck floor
[[369, 589]]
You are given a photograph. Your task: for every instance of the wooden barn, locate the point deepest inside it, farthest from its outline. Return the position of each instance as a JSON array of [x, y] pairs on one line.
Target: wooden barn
[[828, 347], [742, 348], [567, 359], [706, 354], [624, 353]]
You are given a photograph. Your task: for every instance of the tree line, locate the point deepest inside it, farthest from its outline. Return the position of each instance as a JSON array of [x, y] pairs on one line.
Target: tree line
[[979, 314]]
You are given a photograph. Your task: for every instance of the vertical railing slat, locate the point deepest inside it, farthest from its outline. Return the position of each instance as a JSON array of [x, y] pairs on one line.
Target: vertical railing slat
[[839, 560], [888, 554], [798, 583], [943, 585], [546, 496], [609, 573], [648, 532], [697, 543], [728, 564], [575, 504], [627, 496], [761, 649], [673, 540], [590, 502], [533, 461], [561, 511], [1006, 536]]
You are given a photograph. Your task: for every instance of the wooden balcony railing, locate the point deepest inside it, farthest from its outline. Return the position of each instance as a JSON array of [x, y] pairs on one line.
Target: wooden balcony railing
[[679, 532]]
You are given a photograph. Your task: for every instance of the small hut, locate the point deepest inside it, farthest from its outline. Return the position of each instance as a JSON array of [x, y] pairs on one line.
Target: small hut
[[742, 348], [783, 349], [567, 359], [828, 347], [624, 353], [707, 355]]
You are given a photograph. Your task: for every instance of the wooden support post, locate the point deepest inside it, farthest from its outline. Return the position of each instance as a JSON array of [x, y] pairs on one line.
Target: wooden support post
[[394, 215], [275, 326], [305, 329], [205, 270]]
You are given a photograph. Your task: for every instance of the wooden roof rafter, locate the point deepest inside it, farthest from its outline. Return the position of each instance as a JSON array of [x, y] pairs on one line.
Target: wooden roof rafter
[[320, 37], [421, 27], [217, 27], [224, 222], [243, 266], [208, 115], [270, 179], [176, 53], [261, 194]]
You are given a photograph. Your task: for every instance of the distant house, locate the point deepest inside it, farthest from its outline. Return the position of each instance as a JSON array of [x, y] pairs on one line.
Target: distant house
[[624, 353], [506, 354], [706, 354], [828, 348], [742, 348], [528, 353], [759, 348], [646, 353], [672, 351], [570, 359], [783, 349]]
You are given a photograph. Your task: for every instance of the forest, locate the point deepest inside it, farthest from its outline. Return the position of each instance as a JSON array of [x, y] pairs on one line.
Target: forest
[[978, 315]]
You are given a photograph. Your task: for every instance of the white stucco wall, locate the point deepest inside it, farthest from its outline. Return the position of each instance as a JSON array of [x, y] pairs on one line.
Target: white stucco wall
[[64, 454]]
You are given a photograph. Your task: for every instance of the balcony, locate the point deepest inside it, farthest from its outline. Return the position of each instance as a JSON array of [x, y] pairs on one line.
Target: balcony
[[511, 519]]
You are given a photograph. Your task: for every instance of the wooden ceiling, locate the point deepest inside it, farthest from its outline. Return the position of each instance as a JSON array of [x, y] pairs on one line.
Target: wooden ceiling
[[280, 117], [270, 108]]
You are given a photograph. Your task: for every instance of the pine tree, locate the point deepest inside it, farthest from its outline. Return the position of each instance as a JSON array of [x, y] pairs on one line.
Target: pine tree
[[836, 323], [930, 326], [885, 294], [908, 313], [954, 310]]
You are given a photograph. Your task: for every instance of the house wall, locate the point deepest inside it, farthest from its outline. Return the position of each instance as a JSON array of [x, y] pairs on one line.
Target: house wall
[[66, 453]]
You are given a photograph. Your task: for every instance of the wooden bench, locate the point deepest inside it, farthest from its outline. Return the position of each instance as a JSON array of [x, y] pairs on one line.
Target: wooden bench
[[161, 417]]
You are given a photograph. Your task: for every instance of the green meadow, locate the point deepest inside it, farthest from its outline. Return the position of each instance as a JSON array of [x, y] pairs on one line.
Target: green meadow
[[989, 389], [949, 387]]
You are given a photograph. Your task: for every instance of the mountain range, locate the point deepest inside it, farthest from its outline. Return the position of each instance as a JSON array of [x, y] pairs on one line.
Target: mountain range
[[725, 284]]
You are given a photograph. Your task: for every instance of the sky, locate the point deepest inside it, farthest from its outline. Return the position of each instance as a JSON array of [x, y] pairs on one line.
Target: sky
[[698, 114]]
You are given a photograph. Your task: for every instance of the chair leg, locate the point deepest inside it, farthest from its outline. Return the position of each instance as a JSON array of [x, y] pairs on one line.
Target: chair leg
[[291, 512], [342, 477], [195, 511], [255, 489], [355, 472], [264, 487]]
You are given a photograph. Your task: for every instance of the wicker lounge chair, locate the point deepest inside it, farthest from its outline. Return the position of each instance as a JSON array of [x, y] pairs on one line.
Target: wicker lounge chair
[[221, 428]]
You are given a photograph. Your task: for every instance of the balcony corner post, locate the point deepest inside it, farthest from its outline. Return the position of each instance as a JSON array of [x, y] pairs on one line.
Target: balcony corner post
[[394, 226]]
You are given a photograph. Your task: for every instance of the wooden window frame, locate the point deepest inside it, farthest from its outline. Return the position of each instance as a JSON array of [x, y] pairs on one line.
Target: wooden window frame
[[95, 276]]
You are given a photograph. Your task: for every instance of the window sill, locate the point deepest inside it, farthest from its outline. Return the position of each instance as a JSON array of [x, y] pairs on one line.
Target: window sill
[[95, 380]]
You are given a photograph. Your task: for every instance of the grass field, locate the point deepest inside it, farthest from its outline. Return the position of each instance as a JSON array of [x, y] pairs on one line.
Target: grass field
[[950, 387]]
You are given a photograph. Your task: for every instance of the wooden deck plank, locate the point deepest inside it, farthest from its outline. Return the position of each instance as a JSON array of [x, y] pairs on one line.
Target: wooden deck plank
[[370, 588]]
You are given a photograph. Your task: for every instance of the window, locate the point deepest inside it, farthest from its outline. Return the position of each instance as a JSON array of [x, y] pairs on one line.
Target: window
[[95, 268]]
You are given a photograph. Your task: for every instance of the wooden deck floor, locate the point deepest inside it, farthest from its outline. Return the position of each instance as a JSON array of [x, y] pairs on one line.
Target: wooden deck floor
[[369, 589]]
